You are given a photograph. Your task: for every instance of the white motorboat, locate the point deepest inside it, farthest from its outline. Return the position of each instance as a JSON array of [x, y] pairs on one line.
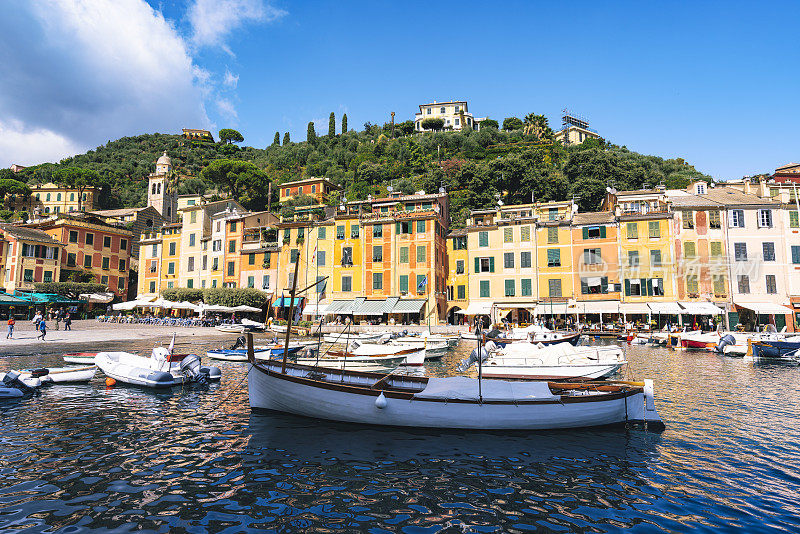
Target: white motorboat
[[29, 381], [345, 337], [84, 358], [61, 375], [161, 369], [231, 328], [531, 334], [432, 339], [413, 355], [453, 402], [553, 362]]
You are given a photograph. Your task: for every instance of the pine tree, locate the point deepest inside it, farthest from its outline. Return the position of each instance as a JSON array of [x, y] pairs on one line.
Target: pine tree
[[311, 135], [344, 123], [332, 125], [277, 140], [286, 139]]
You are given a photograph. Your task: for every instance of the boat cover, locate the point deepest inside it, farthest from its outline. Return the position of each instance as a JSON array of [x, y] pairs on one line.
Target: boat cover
[[463, 388]]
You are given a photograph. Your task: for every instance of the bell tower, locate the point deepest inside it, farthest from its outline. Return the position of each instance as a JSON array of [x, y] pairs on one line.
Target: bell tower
[[159, 194]]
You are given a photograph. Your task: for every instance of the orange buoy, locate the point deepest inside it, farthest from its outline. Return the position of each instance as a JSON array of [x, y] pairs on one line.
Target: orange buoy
[[110, 382]]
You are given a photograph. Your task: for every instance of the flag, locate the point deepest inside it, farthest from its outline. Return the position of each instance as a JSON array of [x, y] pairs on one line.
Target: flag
[[422, 284], [314, 254]]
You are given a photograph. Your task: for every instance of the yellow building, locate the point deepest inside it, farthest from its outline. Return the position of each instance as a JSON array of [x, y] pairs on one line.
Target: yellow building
[[458, 267], [52, 198], [258, 266], [554, 258]]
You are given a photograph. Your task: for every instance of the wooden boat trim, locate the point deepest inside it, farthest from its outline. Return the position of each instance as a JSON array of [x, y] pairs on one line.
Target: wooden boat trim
[[618, 392], [343, 354]]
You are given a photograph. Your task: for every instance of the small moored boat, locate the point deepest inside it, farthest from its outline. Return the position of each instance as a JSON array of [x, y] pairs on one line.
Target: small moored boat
[[86, 358], [162, 369], [61, 375]]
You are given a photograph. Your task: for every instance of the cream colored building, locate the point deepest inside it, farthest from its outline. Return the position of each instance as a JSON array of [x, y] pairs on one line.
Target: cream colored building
[[574, 135], [455, 115]]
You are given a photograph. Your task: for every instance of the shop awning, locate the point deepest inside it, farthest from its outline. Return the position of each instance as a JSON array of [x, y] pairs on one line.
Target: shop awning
[[700, 308], [338, 305], [408, 306], [634, 308], [97, 298], [665, 308], [477, 308], [596, 306], [765, 308], [372, 308], [285, 302], [312, 308], [552, 308], [8, 300]]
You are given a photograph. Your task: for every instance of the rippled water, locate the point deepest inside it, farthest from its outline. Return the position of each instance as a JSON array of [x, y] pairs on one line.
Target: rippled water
[[80, 458]]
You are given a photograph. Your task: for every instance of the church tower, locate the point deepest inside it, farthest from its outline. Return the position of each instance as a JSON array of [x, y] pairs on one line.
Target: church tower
[[159, 193]]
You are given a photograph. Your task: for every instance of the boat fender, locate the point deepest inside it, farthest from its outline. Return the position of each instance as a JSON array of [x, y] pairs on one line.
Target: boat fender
[[380, 402], [490, 346], [110, 382], [649, 399]]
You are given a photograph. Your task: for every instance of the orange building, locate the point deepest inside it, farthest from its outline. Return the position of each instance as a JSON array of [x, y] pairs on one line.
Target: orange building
[[318, 188], [595, 255], [27, 256]]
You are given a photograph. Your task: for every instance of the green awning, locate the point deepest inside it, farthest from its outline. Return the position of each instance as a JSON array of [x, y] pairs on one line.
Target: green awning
[[8, 300]]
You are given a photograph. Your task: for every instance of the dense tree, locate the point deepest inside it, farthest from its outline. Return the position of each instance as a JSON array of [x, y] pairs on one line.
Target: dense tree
[[311, 135], [512, 123], [245, 182], [332, 125], [344, 123], [277, 140], [11, 186], [489, 123], [69, 289], [433, 124], [229, 135], [537, 126], [76, 178], [286, 139]]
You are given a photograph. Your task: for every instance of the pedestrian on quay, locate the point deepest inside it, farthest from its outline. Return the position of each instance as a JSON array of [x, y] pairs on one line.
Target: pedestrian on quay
[[11, 323], [36, 320], [68, 322], [57, 319], [42, 329]]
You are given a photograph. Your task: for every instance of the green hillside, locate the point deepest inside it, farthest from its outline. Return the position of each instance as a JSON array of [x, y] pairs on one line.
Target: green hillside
[[472, 166]]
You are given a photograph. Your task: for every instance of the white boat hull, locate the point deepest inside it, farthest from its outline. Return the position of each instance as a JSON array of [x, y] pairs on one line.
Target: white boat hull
[[555, 372], [270, 390], [138, 370], [64, 375]]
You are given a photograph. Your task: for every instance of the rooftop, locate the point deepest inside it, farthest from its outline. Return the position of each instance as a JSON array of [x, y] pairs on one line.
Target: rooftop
[[311, 180], [29, 234], [594, 217]]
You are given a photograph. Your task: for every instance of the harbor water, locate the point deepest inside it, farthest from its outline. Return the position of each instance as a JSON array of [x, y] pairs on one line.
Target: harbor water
[[90, 458]]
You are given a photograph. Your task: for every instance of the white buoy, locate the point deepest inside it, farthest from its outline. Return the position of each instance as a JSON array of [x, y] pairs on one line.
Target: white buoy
[[380, 402]]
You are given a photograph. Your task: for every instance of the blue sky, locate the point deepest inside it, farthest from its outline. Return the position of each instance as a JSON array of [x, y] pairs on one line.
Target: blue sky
[[714, 83]]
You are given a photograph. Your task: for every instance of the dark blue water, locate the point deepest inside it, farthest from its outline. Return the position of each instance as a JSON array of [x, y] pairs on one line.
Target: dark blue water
[[85, 458]]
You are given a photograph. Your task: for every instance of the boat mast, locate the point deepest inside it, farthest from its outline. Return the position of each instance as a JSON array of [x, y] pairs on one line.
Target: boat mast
[[479, 335], [291, 315]]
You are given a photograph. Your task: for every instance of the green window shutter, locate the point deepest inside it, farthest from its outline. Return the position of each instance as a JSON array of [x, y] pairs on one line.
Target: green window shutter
[[604, 284], [477, 265], [602, 231], [795, 254], [421, 227], [794, 220], [585, 233], [627, 287], [643, 286], [586, 256], [491, 264], [584, 286], [649, 287], [404, 283]]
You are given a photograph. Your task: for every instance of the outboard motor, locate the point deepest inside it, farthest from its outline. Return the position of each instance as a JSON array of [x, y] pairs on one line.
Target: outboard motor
[[724, 341], [12, 380], [353, 345], [240, 342], [191, 369], [385, 338], [466, 363]]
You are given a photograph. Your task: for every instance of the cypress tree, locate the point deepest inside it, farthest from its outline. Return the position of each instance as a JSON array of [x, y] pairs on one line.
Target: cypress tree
[[286, 139], [332, 125], [344, 123], [277, 140], [311, 135]]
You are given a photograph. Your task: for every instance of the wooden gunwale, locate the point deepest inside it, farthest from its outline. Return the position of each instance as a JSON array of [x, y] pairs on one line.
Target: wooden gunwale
[[343, 354]]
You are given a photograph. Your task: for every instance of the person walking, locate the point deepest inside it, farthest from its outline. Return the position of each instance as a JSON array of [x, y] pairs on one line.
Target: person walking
[[11, 323], [42, 329], [36, 320], [68, 322]]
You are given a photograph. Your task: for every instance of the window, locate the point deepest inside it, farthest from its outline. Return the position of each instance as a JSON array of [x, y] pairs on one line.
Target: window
[[193, 216], [552, 214], [716, 248], [251, 281], [508, 235], [190, 283], [294, 255], [251, 258], [287, 192], [633, 230], [691, 284], [106, 262], [796, 254], [89, 239], [233, 226], [154, 252], [719, 285], [484, 288], [403, 254], [58, 197], [213, 283], [73, 236], [320, 288], [461, 292], [772, 287], [192, 239], [656, 287], [28, 275], [87, 261], [205, 263], [321, 258], [421, 227], [172, 247], [769, 251], [107, 241], [287, 234], [214, 264], [422, 254], [152, 287], [591, 256], [765, 218], [654, 230], [171, 267], [794, 221], [688, 219], [737, 219], [171, 284], [509, 287], [122, 265], [525, 260], [403, 281], [231, 268], [405, 227], [321, 232], [743, 284], [484, 265], [429, 110], [553, 257], [689, 250], [594, 232], [508, 260], [441, 109], [525, 233], [633, 287], [47, 276], [354, 231], [594, 285], [713, 219], [377, 253], [459, 266], [552, 235], [633, 258], [377, 230], [655, 258], [265, 282], [554, 287], [377, 280], [216, 245], [347, 256], [740, 251], [104, 280], [483, 239], [422, 284], [232, 246], [340, 232], [460, 243]]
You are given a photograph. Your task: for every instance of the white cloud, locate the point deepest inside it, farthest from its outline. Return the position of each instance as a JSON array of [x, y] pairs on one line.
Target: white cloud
[[230, 80], [227, 109], [81, 72], [213, 20], [30, 147]]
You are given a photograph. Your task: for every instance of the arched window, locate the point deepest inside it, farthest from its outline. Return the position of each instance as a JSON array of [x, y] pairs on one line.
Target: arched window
[[71, 197], [47, 209], [84, 197], [48, 197], [38, 197], [58, 197], [154, 188], [158, 189]]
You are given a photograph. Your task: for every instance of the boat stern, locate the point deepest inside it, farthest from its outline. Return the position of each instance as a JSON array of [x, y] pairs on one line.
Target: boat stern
[[641, 409]]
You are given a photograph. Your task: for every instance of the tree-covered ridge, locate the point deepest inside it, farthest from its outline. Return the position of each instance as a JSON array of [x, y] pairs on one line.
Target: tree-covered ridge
[[517, 161]]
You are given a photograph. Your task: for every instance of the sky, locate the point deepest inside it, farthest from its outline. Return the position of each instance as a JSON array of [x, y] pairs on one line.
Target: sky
[[713, 82]]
